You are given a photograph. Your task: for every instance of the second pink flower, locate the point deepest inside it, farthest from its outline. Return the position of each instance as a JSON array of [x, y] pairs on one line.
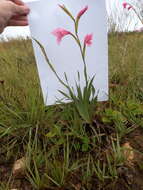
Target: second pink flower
[[60, 33]]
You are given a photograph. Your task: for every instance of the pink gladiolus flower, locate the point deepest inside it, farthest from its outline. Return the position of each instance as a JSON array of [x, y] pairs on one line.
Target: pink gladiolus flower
[[88, 39], [60, 33], [130, 7], [125, 5], [82, 12]]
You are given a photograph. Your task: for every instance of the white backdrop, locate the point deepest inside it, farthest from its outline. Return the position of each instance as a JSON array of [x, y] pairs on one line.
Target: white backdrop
[[67, 58]]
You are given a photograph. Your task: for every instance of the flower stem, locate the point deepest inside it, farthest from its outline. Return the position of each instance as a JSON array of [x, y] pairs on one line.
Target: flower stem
[[141, 20], [50, 65], [81, 51]]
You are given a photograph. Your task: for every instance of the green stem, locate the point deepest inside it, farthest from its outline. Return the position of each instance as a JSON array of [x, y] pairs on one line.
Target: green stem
[[82, 52], [138, 16], [50, 65], [141, 20], [76, 37]]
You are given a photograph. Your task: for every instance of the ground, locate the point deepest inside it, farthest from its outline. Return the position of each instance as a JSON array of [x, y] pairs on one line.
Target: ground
[[82, 145]]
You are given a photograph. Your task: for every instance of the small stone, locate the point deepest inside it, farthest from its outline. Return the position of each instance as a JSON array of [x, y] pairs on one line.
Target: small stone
[[128, 153], [19, 167]]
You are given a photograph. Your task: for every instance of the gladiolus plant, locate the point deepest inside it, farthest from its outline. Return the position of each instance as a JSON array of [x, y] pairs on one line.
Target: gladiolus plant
[[85, 97], [128, 6], [60, 33]]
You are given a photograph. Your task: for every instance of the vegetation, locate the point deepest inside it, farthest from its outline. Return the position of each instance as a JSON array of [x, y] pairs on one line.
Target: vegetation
[[62, 149]]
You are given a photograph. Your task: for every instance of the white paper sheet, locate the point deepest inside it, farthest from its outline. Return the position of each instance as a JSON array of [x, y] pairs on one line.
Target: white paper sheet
[[45, 17]]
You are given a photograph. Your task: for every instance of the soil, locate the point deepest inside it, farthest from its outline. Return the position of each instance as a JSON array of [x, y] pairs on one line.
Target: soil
[[130, 176]]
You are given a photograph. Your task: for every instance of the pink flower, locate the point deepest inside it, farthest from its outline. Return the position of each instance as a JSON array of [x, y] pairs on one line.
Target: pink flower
[[125, 5], [60, 33], [82, 12], [130, 7], [88, 39]]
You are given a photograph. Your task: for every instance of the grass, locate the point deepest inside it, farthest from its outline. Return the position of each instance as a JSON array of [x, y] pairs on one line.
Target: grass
[[64, 151]]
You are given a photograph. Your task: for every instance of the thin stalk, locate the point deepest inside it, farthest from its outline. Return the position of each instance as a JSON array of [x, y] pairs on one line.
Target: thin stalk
[[50, 65], [136, 13], [82, 53]]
